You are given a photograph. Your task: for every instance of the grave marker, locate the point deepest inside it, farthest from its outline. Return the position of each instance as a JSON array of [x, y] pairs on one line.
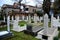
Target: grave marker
[[58, 18], [45, 24], [51, 20], [12, 18], [4, 18], [8, 23]]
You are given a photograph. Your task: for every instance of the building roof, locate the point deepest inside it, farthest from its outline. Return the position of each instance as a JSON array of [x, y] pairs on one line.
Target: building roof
[[12, 6], [9, 6]]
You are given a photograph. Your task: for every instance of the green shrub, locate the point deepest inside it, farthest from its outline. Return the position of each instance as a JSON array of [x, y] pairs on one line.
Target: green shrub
[[22, 23], [58, 28], [32, 21], [59, 34], [55, 38]]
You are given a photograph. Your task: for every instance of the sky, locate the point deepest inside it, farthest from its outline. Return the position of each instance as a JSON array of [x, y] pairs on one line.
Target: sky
[[29, 2]]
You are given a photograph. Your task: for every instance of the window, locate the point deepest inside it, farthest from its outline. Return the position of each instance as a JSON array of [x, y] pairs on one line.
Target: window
[[26, 9]]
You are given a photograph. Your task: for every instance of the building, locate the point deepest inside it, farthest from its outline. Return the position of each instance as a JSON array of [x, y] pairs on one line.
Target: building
[[21, 10]]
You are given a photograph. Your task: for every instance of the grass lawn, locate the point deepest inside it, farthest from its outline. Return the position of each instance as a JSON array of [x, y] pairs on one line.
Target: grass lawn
[[59, 33], [22, 23], [19, 35]]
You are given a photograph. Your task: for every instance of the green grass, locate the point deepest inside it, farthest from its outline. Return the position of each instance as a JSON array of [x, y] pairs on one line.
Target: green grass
[[59, 35], [22, 23], [55, 38], [49, 24], [19, 35], [3, 28]]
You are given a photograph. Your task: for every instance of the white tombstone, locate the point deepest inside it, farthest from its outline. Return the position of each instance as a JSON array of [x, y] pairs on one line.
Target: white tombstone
[[47, 31], [17, 18], [29, 19], [15, 25], [8, 23], [41, 18], [4, 18], [23, 17], [58, 18], [54, 21], [12, 18], [35, 18], [45, 24], [51, 20]]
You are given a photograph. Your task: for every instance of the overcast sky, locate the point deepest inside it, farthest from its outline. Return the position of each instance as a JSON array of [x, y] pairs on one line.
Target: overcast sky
[[29, 2]]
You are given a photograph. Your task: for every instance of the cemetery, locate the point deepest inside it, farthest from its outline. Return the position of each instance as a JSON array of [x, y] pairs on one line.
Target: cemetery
[[36, 31], [26, 22]]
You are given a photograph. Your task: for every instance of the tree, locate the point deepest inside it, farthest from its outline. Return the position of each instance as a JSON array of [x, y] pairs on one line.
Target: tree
[[39, 13], [46, 6], [55, 38], [56, 7], [1, 15]]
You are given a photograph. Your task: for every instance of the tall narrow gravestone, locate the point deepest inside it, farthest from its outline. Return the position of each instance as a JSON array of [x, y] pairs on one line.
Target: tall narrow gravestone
[[12, 18], [58, 18], [4, 18], [8, 23], [51, 20], [15, 24], [35, 18], [45, 24], [29, 19]]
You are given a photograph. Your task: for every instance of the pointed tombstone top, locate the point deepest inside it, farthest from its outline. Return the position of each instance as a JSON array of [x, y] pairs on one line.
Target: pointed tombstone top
[[8, 23], [46, 20], [58, 17], [45, 24], [52, 15], [46, 15]]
